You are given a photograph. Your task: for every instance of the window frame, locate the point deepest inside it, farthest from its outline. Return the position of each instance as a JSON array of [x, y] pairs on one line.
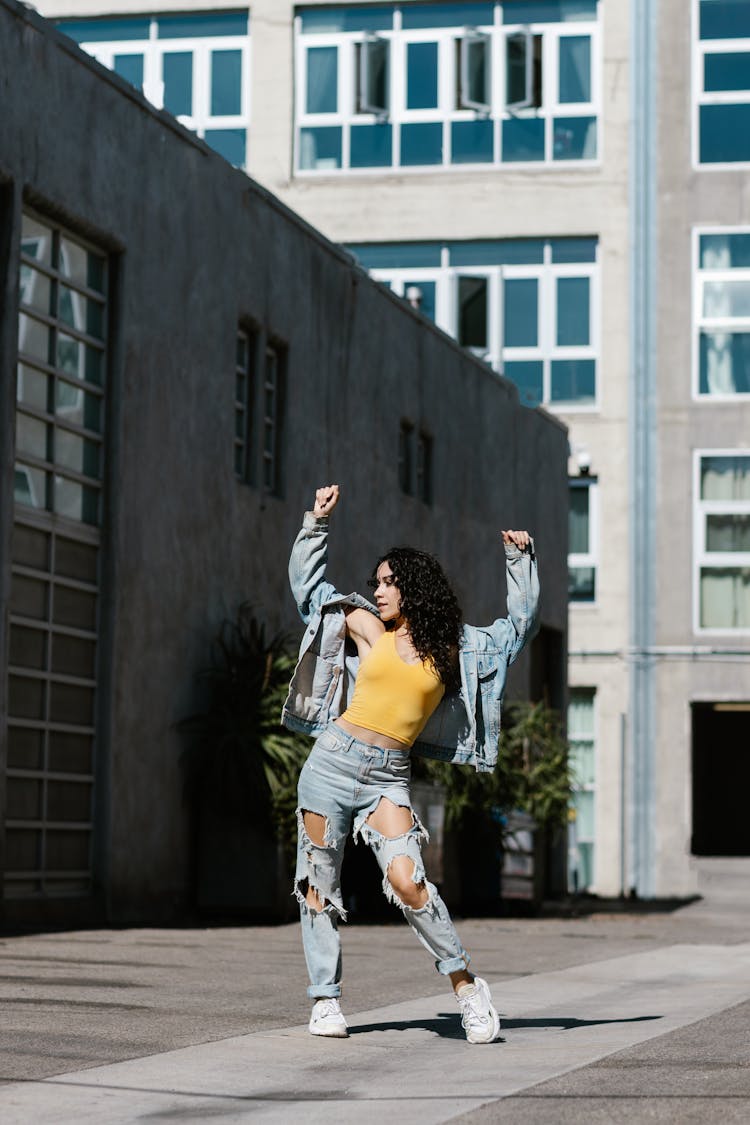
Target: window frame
[[701, 47], [702, 558], [588, 558], [153, 50], [447, 112], [699, 321], [547, 350]]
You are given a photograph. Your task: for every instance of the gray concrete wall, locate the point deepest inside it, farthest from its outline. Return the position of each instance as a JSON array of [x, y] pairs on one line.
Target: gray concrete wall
[[196, 248]]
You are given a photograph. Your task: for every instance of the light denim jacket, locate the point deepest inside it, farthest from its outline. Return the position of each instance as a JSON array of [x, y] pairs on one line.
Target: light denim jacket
[[466, 725]]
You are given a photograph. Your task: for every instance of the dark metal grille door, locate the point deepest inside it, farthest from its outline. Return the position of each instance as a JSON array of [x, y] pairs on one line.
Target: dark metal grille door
[[55, 565]]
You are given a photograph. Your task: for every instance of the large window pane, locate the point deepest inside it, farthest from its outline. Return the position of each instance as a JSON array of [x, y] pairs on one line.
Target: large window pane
[[725, 133], [322, 79], [229, 143], [728, 533], [725, 478], [724, 363], [523, 139], [178, 83], [579, 522], [226, 83], [725, 598], [575, 68], [573, 311], [421, 75], [528, 375], [471, 142], [470, 14], [726, 298], [573, 380], [724, 251], [323, 20], [548, 11], [472, 312], [129, 67], [320, 148], [729, 70], [422, 144], [724, 19], [106, 31], [371, 146], [520, 312], [574, 138], [203, 25]]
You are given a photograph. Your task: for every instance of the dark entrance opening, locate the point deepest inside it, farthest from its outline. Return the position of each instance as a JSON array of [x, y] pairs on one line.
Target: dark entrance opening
[[721, 779]]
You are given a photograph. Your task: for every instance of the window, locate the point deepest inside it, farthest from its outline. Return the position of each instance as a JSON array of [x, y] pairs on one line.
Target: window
[[723, 540], [243, 403], [721, 64], [722, 313], [54, 601], [195, 65], [583, 762], [529, 307], [424, 467], [406, 458], [582, 538], [446, 84], [273, 415]]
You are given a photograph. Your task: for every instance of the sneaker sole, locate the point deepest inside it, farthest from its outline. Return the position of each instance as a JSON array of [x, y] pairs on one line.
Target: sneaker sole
[[332, 1033]]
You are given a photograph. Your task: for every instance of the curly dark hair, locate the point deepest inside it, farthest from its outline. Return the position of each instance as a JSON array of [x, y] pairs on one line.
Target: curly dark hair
[[430, 607]]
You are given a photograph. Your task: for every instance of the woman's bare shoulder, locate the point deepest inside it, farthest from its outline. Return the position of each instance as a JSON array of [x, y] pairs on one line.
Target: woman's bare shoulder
[[363, 625]]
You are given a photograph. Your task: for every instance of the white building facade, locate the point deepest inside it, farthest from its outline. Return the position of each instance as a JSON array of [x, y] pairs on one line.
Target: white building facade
[[561, 185]]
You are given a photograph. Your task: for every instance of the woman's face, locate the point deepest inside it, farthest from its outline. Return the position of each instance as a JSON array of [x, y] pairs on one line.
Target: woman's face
[[387, 595]]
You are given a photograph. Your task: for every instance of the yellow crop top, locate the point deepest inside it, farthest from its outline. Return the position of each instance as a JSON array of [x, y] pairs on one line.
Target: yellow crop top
[[391, 696]]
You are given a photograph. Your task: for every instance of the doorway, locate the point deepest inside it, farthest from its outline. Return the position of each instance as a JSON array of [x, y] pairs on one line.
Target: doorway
[[721, 779]]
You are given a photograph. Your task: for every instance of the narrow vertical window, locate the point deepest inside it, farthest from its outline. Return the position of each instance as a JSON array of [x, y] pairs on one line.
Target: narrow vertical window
[[406, 458], [243, 400], [424, 467], [273, 405], [582, 540], [723, 540], [581, 740]]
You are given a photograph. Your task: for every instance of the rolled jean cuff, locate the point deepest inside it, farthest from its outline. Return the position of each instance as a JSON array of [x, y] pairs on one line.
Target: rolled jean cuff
[[323, 991], [453, 964]]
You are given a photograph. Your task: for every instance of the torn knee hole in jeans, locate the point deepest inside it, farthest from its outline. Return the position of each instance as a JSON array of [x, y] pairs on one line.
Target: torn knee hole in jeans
[[328, 840], [418, 878]]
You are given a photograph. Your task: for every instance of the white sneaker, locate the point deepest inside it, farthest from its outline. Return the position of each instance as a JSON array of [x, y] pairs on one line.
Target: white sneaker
[[328, 1019], [479, 1019]]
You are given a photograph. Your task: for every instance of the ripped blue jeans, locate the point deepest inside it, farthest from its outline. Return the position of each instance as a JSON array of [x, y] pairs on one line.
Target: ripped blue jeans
[[343, 780]]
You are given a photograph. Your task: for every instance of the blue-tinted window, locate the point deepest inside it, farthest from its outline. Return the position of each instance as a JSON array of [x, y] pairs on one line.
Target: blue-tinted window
[[129, 67], [421, 75], [471, 142], [521, 312], [105, 31], [725, 133], [229, 143], [724, 19], [528, 375], [447, 15], [572, 311], [511, 251], [397, 255], [573, 380], [178, 82], [422, 144], [573, 249], [322, 20], [199, 26], [548, 11], [574, 138], [427, 288], [575, 68], [725, 251], [320, 147], [523, 139], [226, 83], [371, 146], [729, 70], [322, 79], [724, 363]]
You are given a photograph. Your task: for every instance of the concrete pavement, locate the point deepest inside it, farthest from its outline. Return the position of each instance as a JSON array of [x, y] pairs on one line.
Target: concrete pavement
[[637, 1017]]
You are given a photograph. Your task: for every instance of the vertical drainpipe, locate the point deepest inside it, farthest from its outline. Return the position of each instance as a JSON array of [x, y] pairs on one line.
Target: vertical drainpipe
[[642, 444]]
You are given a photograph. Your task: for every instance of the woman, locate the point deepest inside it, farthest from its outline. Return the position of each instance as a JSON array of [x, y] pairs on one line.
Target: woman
[[370, 681]]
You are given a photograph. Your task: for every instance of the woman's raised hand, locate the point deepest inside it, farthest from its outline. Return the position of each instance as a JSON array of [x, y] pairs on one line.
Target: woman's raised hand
[[520, 539], [326, 499]]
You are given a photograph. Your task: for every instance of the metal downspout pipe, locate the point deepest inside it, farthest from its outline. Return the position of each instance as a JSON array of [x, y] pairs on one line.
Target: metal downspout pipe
[[641, 802]]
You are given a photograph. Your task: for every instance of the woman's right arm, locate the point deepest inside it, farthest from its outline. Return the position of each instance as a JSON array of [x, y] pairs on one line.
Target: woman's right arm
[[309, 557]]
